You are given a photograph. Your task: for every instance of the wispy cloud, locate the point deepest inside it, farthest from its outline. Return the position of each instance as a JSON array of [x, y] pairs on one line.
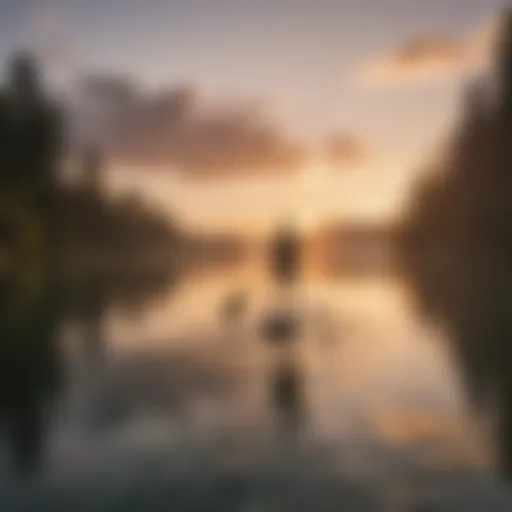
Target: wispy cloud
[[178, 131], [431, 57]]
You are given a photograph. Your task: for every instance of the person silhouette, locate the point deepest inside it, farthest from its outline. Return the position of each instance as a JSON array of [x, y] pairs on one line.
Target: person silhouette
[[285, 256]]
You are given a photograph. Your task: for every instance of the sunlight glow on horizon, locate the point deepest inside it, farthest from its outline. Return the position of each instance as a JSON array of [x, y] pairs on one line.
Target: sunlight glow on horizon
[[316, 196]]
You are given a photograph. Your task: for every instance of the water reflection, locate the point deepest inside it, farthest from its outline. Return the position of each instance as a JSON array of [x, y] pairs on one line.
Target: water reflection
[[32, 365], [30, 369], [470, 295], [357, 394], [234, 307], [288, 395]]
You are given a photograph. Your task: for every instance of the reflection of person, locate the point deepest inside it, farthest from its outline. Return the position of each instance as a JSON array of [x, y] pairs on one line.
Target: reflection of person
[[281, 327], [287, 395]]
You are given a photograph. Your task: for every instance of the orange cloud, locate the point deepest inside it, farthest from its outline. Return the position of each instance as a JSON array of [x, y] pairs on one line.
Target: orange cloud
[[347, 149], [431, 57]]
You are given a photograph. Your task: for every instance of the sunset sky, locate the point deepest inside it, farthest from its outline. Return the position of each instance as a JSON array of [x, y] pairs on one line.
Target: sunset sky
[[353, 95]]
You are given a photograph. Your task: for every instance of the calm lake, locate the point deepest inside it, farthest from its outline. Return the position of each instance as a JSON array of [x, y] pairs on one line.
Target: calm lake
[[177, 399]]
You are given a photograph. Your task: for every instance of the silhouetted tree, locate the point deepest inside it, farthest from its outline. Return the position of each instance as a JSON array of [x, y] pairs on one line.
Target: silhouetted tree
[[458, 245], [30, 132]]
